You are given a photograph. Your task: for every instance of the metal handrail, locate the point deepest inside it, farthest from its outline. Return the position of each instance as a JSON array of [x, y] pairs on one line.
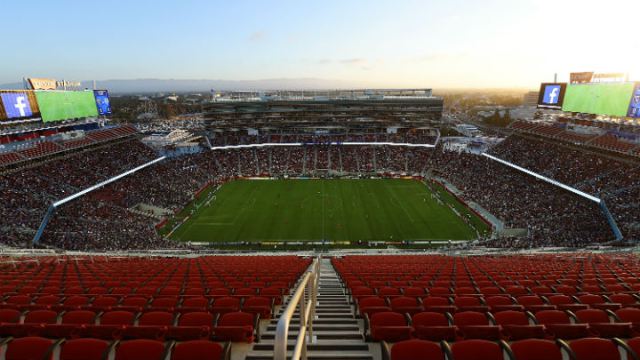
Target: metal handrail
[[304, 297]]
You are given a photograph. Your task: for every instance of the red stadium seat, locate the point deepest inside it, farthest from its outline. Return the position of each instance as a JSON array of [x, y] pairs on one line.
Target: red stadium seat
[[372, 305], [404, 304], [625, 300], [469, 303], [258, 305], [79, 317], [84, 349], [433, 326], [196, 319], [476, 325], [389, 326], [516, 326], [629, 315], [558, 324], [536, 349], [156, 318], [566, 302], [598, 302], [196, 303], [600, 324], [75, 302], [117, 318], [132, 303], [437, 304], [225, 305], [236, 326], [41, 317], [103, 303], [142, 349], [502, 303], [200, 349], [633, 345], [534, 303], [274, 293], [11, 316], [165, 303], [474, 350], [28, 348], [414, 291], [415, 350], [593, 349]]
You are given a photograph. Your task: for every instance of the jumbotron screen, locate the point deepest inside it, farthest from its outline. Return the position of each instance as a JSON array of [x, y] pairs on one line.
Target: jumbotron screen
[[634, 105], [551, 95], [598, 98], [102, 102], [18, 105], [65, 105]]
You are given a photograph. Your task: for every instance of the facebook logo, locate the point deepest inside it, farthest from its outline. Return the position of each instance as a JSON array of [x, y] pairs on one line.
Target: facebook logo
[[551, 95], [16, 105]]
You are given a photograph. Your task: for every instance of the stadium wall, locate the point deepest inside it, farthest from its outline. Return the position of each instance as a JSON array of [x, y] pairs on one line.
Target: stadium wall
[[463, 202]]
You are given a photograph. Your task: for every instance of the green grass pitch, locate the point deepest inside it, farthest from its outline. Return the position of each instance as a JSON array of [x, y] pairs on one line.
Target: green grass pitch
[[332, 210]]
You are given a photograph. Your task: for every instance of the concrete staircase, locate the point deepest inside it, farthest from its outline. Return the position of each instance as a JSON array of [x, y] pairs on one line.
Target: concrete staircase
[[337, 334]]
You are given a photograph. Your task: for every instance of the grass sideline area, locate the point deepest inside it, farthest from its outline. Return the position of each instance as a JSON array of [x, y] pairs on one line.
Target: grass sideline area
[[337, 210]]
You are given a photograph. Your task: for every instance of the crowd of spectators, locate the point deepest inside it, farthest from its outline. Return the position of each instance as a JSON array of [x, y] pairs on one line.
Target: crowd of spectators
[[102, 220], [402, 135], [550, 215], [613, 179], [26, 193]]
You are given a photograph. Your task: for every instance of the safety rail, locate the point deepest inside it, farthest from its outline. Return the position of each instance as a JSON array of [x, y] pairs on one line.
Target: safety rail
[[305, 297]]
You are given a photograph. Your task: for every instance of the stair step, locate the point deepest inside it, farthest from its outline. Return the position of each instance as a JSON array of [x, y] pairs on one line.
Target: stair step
[[324, 327], [348, 321], [336, 331], [332, 355], [333, 335], [329, 346]]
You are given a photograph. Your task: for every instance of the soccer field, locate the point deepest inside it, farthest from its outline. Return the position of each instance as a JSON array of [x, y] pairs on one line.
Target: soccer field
[[331, 210]]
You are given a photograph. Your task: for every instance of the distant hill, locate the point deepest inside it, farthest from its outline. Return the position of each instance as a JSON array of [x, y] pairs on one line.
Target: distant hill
[[183, 85]]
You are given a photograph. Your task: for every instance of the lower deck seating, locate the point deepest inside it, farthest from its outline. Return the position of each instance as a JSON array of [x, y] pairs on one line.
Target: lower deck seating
[[28, 348], [124, 305], [494, 298]]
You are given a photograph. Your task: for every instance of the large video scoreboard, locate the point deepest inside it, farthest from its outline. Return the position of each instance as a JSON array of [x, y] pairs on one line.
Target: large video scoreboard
[[52, 105], [619, 99], [18, 105], [64, 105], [599, 98], [552, 95]]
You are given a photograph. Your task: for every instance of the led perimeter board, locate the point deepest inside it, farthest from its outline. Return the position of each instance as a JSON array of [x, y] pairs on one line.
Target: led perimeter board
[[66, 105], [551, 95], [18, 105], [598, 98], [102, 102]]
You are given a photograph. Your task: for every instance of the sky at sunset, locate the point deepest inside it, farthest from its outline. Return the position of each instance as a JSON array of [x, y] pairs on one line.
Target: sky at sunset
[[402, 43]]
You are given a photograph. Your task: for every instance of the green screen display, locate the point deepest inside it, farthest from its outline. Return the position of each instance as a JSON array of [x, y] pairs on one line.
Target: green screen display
[[601, 99], [64, 105]]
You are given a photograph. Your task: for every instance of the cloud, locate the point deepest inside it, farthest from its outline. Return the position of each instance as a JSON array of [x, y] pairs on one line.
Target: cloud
[[257, 36]]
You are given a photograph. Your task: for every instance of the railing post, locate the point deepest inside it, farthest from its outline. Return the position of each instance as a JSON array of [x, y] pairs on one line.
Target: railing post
[[306, 291], [303, 322]]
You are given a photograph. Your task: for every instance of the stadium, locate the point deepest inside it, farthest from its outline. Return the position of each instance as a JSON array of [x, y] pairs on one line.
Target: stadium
[[328, 180], [333, 225]]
